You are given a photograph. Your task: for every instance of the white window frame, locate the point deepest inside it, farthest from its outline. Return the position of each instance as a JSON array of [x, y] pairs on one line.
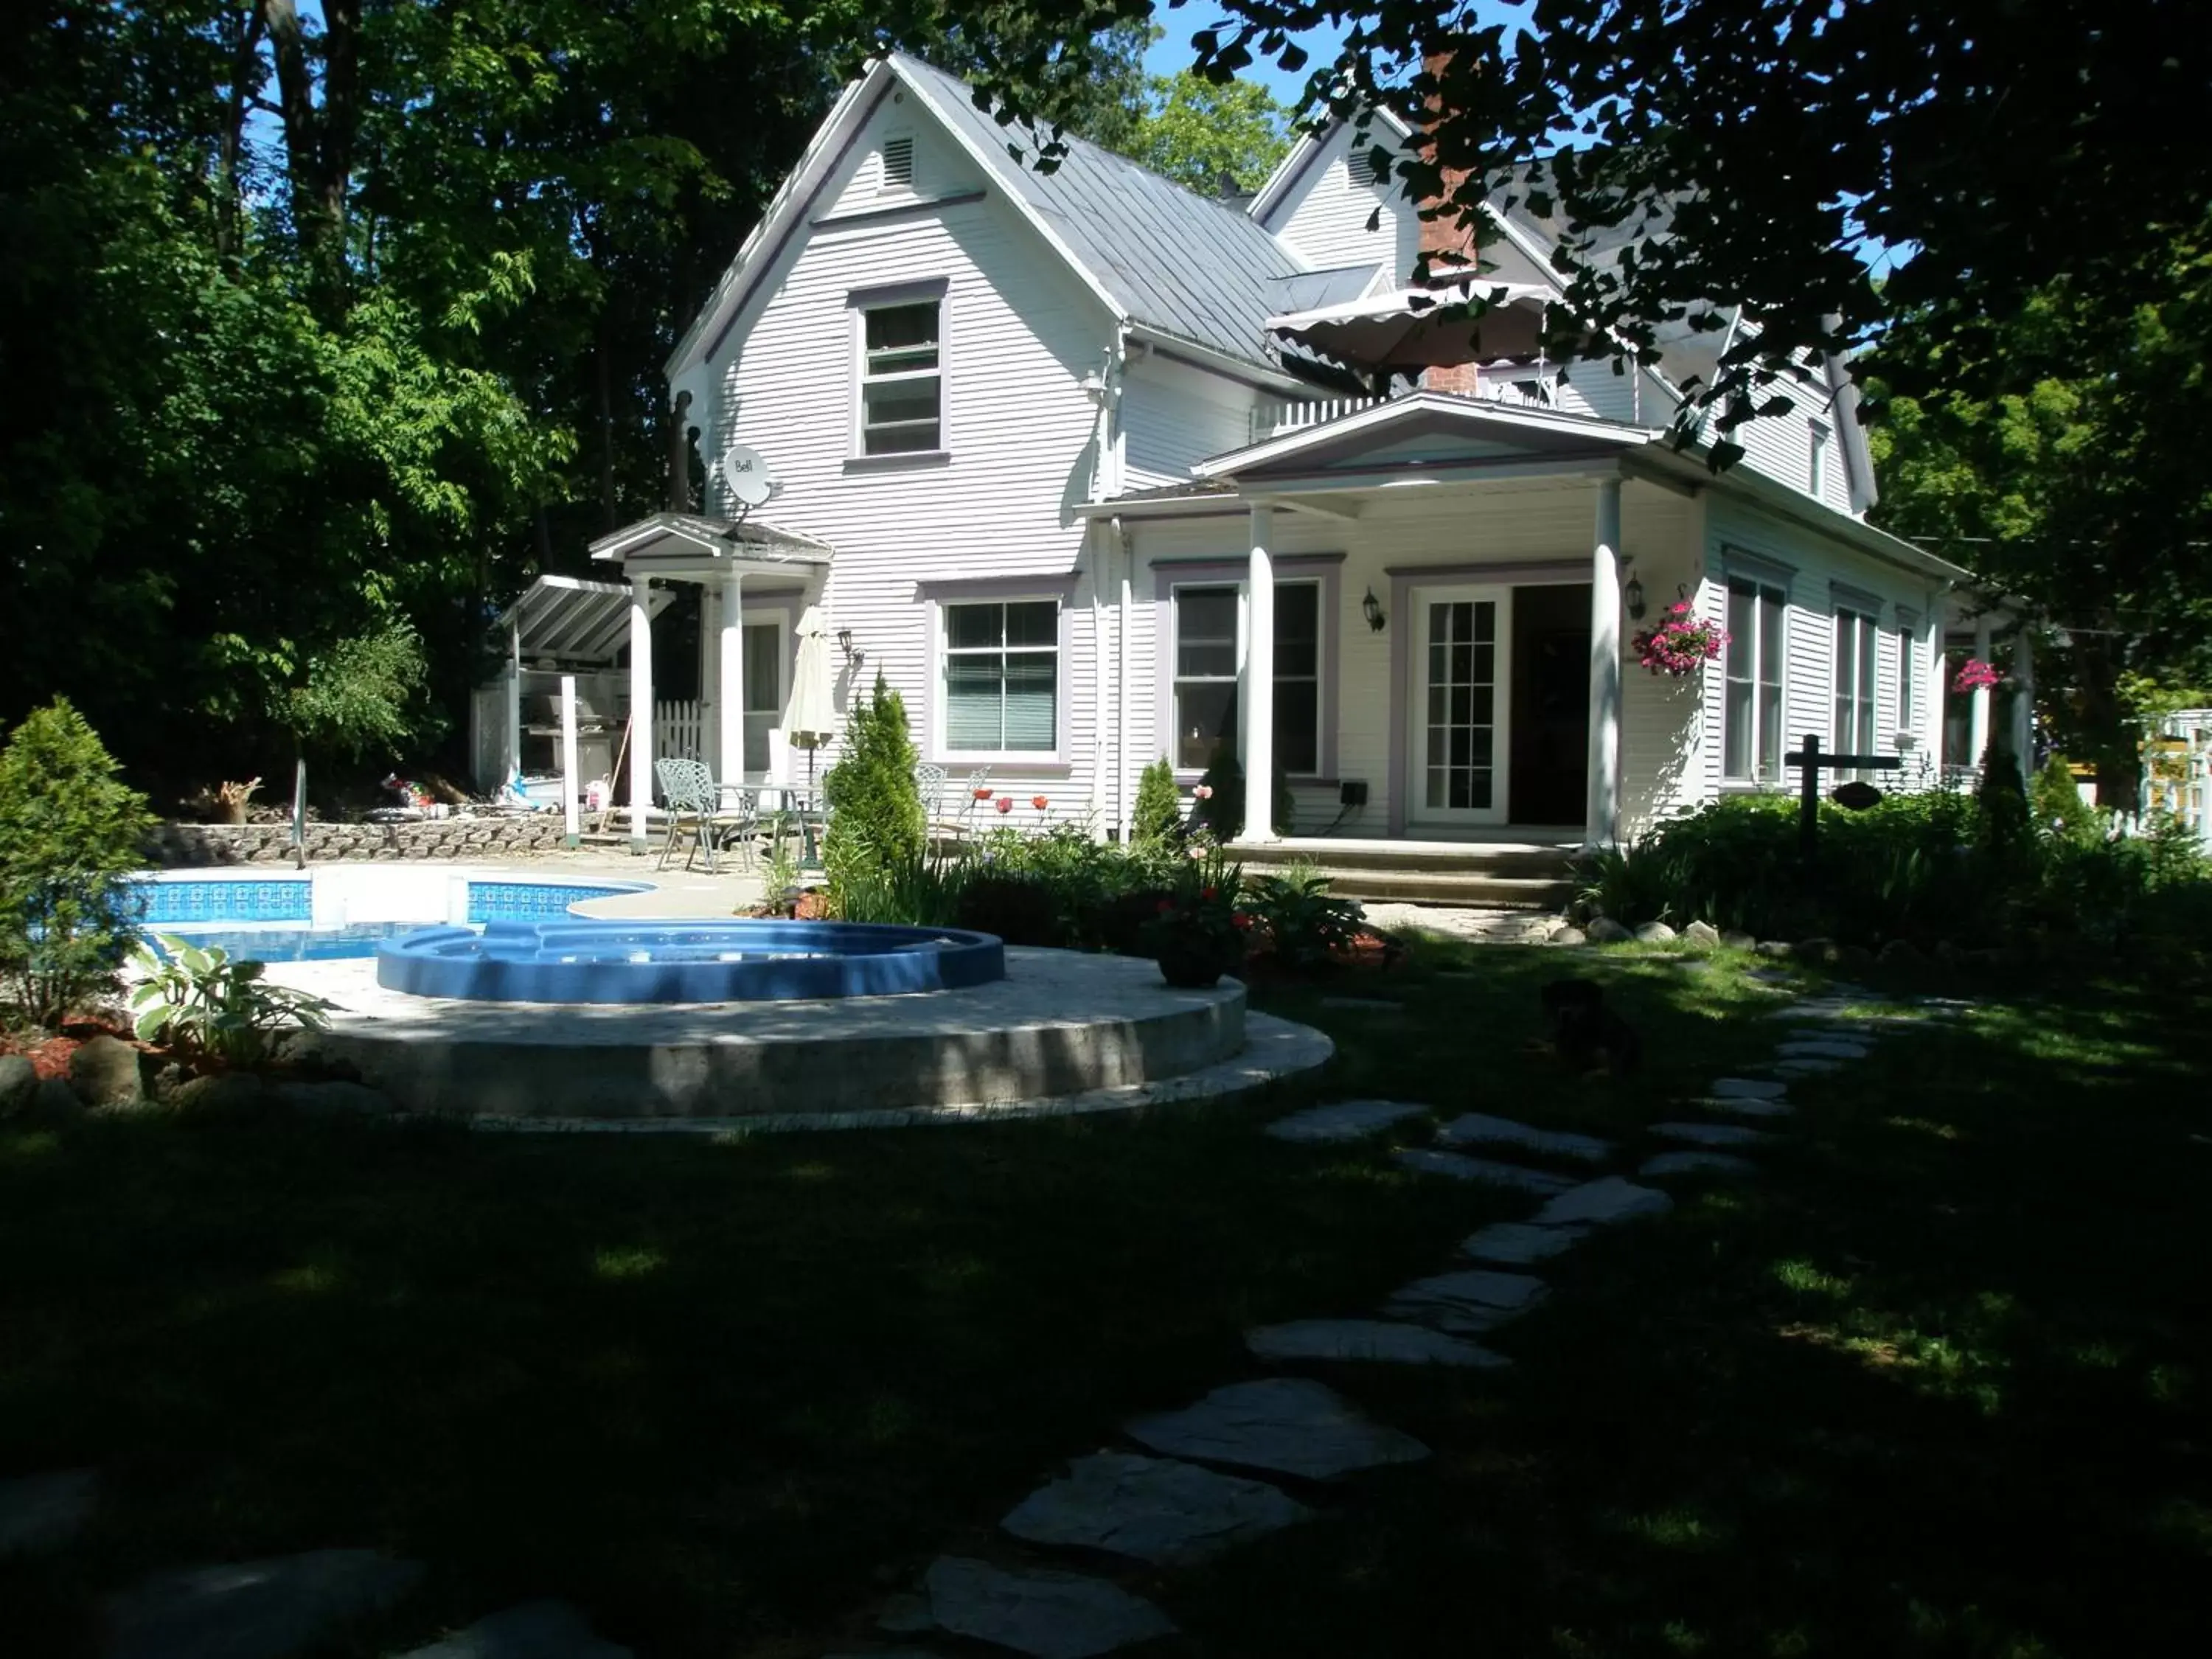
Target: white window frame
[[1818, 438], [1762, 740], [781, 618], [944, 652], [1177, 680], [1854, 672], [1908, 685], [866, 305]]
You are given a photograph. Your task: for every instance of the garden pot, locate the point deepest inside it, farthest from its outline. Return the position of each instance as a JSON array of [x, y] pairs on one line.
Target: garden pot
[[1191, 970]]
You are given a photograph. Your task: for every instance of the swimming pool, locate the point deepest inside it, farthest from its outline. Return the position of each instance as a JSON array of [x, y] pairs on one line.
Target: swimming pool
[[346, 912]]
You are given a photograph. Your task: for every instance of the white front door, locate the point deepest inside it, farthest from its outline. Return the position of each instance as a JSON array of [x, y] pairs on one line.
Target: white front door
[[767, 687], [1461, 680]]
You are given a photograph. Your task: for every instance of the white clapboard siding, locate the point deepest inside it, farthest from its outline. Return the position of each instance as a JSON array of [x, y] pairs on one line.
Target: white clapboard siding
[[1020, 332], [1173, 416], [1325, 219]]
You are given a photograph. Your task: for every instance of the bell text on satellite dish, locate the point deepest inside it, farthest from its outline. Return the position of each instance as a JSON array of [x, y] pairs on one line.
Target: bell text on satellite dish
[[744, 470]]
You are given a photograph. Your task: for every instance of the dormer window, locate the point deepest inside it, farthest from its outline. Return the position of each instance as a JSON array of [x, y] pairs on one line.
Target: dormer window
[[897, 164]]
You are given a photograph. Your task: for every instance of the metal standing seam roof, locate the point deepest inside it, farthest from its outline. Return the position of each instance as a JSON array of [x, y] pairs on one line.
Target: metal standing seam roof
[[1172, 260]]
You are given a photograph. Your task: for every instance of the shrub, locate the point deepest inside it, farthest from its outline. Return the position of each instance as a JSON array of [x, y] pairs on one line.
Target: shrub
[[70, 832], [875, 809], [1158, 816], [1197, 931], [1221, 799], [1310, 932], [1019, 909], [203, 1002], [2002, 827], [915, 892], [2060, 811]]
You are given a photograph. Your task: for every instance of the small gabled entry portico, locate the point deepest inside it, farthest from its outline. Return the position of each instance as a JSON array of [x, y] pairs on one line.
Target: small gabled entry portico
[[1493, 652], [719, 555]]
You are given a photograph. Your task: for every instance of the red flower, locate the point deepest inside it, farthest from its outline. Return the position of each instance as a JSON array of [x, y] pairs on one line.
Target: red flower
[[1165, 906], [1039, 802], [1243, 919], [982, 794], [1207, 892], [1005, 803]]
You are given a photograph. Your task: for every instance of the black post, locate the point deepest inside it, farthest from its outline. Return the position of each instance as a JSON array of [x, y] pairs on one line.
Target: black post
[[1809, 797]]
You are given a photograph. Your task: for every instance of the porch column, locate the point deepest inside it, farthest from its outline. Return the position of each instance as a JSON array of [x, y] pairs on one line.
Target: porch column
[[730, 697], [1977, 724], [514, 701], [1256, 695], [1939, 691], [641, 711], [1602, 805], [2023, 702]]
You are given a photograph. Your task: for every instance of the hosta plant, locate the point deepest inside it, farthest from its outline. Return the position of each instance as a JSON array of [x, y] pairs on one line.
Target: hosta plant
[[205, 1001]]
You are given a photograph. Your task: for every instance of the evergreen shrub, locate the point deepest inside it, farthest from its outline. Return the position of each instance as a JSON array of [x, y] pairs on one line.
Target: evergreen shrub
[[876, 823], [1158, 817]]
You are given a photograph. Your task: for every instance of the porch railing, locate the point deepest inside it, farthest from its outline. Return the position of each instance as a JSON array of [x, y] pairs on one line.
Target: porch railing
[[1274, 417]]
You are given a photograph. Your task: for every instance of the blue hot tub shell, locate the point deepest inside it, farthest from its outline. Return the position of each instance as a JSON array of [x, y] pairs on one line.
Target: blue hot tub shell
[[718, 960]]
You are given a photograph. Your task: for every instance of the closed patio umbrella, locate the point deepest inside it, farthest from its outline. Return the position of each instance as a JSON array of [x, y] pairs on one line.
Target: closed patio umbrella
[[810, 720]]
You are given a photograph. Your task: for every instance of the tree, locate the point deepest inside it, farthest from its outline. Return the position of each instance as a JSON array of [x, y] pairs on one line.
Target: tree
[[1199, 133], [1158, 817]]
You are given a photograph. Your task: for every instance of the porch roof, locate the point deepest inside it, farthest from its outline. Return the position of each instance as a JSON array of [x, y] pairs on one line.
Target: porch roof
[[677, 543], [571, 620]]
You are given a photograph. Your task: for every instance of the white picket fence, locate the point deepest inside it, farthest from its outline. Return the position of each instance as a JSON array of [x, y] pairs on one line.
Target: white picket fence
[[679, 730]]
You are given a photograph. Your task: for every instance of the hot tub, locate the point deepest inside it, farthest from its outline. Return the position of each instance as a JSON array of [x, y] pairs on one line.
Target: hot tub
[[716, 960]]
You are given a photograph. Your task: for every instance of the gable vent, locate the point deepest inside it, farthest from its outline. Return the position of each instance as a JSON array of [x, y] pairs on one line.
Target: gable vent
[[898, 164]]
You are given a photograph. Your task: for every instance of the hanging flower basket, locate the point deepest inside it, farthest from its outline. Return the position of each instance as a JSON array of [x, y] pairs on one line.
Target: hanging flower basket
[[1680, 643], [1974, 674]]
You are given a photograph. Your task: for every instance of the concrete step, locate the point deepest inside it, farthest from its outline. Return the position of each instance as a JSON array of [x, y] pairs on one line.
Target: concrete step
[[1475, 888], [1515, 860]]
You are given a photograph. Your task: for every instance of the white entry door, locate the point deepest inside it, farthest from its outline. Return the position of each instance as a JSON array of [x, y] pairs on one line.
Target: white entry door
[[767, 687], [1462, 680]]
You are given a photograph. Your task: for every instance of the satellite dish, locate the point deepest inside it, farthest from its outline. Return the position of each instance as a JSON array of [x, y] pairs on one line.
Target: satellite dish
[[744, 470]]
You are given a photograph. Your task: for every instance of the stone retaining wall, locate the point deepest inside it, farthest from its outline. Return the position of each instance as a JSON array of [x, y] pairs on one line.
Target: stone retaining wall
[[179, 846]]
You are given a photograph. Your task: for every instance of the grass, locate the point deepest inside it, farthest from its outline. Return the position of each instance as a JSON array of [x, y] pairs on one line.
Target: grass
[[1935, 1385]]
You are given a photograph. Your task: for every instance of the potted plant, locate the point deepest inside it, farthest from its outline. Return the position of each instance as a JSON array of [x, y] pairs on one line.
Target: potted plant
[[1681, 643], [1197, 933]]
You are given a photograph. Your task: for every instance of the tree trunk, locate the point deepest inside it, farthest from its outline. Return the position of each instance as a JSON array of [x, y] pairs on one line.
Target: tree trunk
[[318, 135]]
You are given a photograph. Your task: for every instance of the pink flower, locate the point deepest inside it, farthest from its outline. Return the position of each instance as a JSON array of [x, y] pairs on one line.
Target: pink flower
[[1005, 803], [1039, 802], [1203, 792], [1973, 675]]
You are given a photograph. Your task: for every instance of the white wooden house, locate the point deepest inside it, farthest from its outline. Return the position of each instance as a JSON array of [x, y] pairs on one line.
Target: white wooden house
[[1065, 458]]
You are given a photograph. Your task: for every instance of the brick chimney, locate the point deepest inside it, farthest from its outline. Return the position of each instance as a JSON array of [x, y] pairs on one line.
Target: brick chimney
[[1446, 243]]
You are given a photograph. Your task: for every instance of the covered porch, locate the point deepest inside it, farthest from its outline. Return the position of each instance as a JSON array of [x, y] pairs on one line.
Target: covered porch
[[755, 582], [1424, 599]]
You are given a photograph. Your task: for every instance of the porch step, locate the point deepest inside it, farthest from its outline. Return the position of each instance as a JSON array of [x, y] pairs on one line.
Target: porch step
[[1514, 876]]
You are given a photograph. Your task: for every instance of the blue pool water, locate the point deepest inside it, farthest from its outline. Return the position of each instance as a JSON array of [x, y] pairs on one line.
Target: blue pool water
[[270, 921]]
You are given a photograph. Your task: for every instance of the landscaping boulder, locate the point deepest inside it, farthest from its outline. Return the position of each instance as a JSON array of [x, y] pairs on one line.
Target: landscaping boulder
[[19, 1084], [55, 1102], [1604, 930], [333, 1099], [1738, 941], [1778, 950], [1569, 936], [1654, 932], [1901, 953], [1852, 958], [105, 1074], [1702, 934], [1814, 953], [216, 1092]]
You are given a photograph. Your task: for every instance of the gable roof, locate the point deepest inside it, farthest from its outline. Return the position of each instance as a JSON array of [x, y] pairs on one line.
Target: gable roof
[[1161, 257]]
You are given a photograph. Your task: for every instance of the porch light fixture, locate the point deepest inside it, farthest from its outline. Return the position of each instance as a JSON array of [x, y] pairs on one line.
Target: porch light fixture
[[1372, 608], [845, 642], [1632, 597]]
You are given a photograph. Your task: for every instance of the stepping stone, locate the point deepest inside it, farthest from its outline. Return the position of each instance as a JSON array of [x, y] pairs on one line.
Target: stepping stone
[[1343, 1120], [1394, 1005], [1151, 1508], [1748, 1088], [1048, 1615], [1797, 1068], [41, 1511], [1603, 1203], [1479, 1128], [253, 1609], [1284, 1423], [1383, 1340], [1747, 1107], [1483, 1169], [1519, 1243], [1824, 1048], [1719, 1164], [1715, 1134], [536, 1630], [1469, 1302]]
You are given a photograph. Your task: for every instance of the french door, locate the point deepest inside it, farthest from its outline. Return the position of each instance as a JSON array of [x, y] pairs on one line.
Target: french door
[[1461, 682]]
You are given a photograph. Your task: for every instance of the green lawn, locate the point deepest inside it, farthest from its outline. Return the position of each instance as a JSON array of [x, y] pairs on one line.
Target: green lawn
[[1935, 1384]]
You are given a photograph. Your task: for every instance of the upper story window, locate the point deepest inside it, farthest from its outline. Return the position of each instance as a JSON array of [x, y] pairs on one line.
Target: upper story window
[[901, 378], [1002, 677], [1817, 438], [1751, 714]]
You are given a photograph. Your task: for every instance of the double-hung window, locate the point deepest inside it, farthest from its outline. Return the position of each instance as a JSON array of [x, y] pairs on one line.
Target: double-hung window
[[901, 378], [1855, 677], [1205, 630], [1750, 710], [1908, 700], [1002, 677]]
